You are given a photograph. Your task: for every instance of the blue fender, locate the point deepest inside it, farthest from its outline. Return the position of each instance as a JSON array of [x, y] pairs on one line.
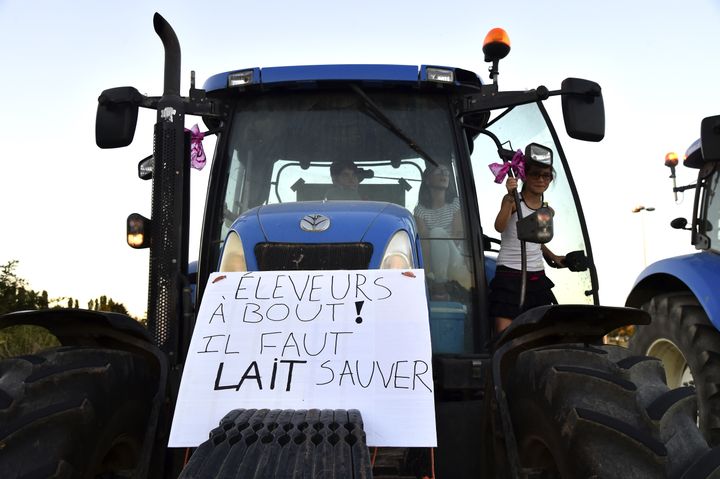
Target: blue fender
[[698, 273]]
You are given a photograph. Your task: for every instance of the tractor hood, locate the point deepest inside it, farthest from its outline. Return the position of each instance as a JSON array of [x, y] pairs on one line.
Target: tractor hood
[[318, 221]]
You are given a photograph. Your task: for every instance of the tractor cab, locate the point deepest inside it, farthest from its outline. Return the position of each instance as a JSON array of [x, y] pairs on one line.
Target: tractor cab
[[406, 133]]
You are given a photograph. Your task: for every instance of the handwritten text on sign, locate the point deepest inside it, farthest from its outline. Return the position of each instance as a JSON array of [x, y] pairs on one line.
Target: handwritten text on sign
[[302, 340]]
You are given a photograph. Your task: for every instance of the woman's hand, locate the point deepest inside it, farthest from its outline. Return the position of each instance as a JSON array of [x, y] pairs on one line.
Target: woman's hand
[[511, 185]]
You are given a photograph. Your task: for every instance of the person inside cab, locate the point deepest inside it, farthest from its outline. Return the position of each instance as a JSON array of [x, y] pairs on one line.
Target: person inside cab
[[346, 178], [439, 223]]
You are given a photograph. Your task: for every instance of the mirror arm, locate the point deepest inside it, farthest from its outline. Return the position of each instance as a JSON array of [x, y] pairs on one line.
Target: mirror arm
[[490, 99], [678, 189], [200, 106], [149, 102], [590, 92]]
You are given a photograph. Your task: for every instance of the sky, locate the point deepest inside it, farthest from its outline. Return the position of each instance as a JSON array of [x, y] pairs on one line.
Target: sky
[[63, 201]]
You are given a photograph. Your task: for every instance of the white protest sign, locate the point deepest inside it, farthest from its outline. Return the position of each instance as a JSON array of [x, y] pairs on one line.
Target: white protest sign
[[312, 340]]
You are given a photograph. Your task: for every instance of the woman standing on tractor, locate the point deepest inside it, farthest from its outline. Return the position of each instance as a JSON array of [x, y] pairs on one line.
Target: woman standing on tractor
[[505, 303]]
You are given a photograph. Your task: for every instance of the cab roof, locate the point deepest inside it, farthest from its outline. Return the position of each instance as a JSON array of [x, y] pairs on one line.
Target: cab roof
[[314, 75]]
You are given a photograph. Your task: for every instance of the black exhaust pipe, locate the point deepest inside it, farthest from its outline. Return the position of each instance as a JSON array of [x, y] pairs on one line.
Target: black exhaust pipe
[[172, 55]]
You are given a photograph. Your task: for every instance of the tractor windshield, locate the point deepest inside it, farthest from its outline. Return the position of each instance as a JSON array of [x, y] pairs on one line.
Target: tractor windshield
[[282, 146]]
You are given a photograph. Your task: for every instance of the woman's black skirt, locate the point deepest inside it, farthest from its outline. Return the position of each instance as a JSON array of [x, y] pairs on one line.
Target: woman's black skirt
[[505, 292]]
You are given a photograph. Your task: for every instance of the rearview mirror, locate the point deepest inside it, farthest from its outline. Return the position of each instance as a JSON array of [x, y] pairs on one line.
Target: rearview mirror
[[710, 138], [679, 223], [117, 117], [583, 109]]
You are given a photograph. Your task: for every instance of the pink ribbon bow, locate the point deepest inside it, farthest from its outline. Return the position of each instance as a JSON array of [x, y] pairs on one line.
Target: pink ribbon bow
[[517, 164], [197, 153]]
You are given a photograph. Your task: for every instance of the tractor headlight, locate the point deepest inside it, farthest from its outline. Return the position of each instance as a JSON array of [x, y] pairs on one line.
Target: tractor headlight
[[398, 252], [233, 257]]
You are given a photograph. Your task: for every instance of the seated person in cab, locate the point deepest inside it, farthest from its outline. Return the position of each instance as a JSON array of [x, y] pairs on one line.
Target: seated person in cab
[[346, 177], [439, 223]]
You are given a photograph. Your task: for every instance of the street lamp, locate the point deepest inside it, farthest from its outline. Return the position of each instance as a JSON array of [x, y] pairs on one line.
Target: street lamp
[[639, 209]]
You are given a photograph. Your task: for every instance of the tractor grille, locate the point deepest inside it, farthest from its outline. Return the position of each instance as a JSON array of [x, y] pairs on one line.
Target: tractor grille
[[292, 256]]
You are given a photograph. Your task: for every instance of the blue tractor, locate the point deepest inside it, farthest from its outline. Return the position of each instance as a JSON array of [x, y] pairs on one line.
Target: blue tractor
[[546, 398], [681, 293]]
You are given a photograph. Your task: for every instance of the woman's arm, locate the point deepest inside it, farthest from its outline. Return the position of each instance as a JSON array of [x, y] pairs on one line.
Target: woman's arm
[[552, 259], [507, 207]]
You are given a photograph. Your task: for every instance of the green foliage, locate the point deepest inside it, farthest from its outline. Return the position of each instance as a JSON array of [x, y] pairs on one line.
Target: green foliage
[[19, 340], [15, 295], [103, 303]]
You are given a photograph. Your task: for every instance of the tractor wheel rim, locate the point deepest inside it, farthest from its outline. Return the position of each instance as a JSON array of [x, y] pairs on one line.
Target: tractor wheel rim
[[677, 371]]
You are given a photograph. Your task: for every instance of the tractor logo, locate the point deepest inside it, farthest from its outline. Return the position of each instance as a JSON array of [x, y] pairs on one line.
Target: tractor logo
[[315, 223]]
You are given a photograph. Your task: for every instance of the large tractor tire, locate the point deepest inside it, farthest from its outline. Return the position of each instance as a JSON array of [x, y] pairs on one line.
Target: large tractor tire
[[598, 411], [73, 413], [262, 443], [688, 345]]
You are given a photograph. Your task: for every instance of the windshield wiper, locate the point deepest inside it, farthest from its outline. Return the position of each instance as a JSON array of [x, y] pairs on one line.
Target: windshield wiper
[[382, 118]]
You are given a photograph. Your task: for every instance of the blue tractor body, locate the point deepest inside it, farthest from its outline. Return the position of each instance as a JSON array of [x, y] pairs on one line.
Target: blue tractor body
[[699, 273]]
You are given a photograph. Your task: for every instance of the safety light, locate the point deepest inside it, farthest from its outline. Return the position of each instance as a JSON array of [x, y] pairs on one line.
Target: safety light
[[539, 153], [138, 231], [233, 255], [398, 253], [240, 78], [671, 159], [440, 75], [496, 45]]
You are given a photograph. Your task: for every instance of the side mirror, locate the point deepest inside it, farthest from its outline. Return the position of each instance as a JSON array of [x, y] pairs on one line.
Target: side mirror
[[678, 223], [710, 138], [583, 109], [117, 117]]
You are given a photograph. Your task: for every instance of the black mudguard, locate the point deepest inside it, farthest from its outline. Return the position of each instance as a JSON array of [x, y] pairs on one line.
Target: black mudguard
[[81, 327]]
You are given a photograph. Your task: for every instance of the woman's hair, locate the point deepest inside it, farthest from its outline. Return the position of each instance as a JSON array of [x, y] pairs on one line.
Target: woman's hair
[[424, 195]]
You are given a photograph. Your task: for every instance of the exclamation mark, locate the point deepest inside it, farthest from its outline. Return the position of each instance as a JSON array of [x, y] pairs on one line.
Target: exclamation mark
[[358, 307]]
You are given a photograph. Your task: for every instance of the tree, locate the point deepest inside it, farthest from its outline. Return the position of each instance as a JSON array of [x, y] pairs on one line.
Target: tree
[[104, 303], [14, 292], [15, 295]]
